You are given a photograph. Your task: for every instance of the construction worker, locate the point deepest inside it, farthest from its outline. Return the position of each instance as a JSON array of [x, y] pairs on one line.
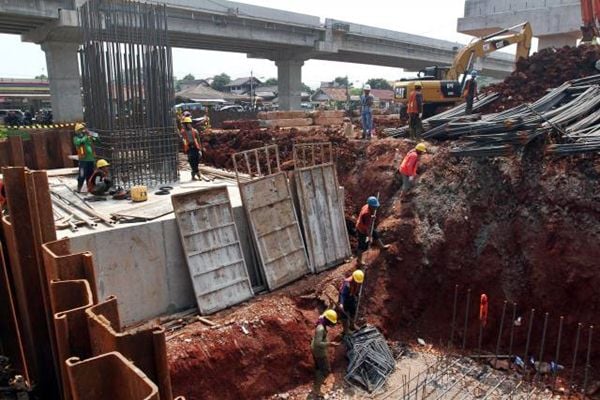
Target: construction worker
[[366, 112], [365, 229], [319, 346], [348, 299], [191, 146], [470, 92], [408, 167], [415, 111], [100, 181], [84, 143]]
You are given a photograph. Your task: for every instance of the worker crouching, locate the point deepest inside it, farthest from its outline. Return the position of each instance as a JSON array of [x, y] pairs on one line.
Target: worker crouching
[[408, 167], [365, 229], [191, 146], [348, 300], [100, 182], [319, 347]]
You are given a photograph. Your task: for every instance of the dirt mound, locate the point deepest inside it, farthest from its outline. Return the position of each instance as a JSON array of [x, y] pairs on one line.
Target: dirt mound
[[546, 69]]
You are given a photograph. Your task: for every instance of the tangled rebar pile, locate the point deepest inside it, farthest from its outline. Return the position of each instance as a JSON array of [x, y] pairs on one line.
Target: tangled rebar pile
[[370, 358]]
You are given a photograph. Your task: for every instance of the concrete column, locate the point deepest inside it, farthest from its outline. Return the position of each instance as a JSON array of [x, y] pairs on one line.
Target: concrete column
[[289, 77], [65, 83], [557, 41]]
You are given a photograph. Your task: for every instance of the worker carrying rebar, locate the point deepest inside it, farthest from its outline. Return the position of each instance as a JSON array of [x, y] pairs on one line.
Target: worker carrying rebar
[[366, 112], [191, 146], [415, 111], [408, 167], [470, 92], [348, 299], [84, 143], [319, 347], [365, 229], [100, 182]]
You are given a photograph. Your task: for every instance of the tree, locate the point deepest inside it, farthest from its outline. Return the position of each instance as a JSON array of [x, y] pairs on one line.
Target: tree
[[379, 83], [342, 81], [220, 81], [41, 77], [271, 82], [306, 88], [177, 84], [189, 77]]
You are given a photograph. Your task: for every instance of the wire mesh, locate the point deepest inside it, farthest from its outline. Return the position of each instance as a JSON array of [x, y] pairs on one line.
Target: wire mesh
[[128, 92]]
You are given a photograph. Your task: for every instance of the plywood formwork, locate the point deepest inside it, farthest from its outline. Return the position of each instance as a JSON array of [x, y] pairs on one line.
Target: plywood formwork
[[272, 217], [212, 248], [321, 206]]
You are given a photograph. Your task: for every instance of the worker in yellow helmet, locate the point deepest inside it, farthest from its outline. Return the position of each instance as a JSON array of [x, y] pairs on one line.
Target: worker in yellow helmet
[[408, 167], [319, 346], [191, 145], [84, 144], [100, 182], [348, 299]]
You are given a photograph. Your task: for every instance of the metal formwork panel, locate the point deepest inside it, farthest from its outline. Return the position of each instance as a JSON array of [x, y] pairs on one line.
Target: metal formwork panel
[[321, 206], [275, 229], [212, 248]]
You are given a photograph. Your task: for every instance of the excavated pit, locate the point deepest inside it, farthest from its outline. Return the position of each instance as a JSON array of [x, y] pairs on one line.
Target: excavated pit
[[524, 229]]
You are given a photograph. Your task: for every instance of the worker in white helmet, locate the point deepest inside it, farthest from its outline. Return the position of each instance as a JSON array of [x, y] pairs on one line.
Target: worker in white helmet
[[366, 112]]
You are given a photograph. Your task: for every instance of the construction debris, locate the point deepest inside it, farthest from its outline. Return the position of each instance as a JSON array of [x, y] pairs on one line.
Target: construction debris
[[370, 359]]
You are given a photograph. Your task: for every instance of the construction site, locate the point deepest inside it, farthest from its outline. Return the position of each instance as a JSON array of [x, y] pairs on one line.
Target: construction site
[[479, 275]]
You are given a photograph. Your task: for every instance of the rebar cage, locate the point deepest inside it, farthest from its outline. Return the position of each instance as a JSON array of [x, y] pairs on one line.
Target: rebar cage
[[128, 89]]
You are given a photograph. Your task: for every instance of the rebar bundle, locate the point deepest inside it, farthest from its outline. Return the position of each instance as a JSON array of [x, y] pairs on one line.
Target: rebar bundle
[[370, 359], [128, 90]]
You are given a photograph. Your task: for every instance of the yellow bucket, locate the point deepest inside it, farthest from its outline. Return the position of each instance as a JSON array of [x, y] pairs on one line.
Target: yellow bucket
[[139, 193]]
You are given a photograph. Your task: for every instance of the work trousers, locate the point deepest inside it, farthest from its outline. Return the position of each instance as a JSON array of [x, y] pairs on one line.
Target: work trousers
[[194, 159], [322, 370], [86, 170], [407, 184], [469, 105], [415, 127], [367, 124], [101, 188]]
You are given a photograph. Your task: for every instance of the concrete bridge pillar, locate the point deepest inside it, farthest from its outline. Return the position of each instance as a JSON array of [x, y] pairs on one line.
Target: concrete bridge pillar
[[65, 83], [289, 76]]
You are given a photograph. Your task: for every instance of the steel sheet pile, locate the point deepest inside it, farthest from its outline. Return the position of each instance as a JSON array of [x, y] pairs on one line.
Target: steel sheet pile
[[370, 358]]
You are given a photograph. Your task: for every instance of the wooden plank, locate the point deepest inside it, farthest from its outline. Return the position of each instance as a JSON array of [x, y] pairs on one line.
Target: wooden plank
[[212, 247], [275, 229], [322, 214], [286, 122], [148, 211]]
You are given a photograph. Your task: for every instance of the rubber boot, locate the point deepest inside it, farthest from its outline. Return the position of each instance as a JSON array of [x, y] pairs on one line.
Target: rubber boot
[[359, 259], [194, 176]]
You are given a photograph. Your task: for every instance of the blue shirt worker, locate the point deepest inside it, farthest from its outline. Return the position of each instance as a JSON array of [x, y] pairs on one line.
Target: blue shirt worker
[[366, 111]]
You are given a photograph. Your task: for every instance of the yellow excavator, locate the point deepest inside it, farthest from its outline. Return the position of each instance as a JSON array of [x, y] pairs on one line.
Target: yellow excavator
[[441, 85]]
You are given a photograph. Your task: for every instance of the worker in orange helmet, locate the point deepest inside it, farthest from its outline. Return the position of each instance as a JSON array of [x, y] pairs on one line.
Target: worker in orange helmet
[[348, 299], [415, 111], [191, 145], [365, 229], [319, 346], [408, 167]]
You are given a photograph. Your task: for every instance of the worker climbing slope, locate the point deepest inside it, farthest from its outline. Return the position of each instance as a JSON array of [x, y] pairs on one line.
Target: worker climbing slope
[[365, 229], [348, 299], [408, 167], [319, 347]]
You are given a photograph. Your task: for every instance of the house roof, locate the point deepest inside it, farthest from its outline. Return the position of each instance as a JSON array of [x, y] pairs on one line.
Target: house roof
[[383, 94], [207, 93], [333, 94], [242, 81]]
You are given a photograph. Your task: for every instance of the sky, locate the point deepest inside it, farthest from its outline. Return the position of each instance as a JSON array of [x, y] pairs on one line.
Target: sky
[[416, 17]]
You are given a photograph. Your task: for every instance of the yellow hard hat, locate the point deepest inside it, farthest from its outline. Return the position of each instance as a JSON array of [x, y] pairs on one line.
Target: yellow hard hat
[[358, 276], [187, 120], [418, 85], [422, 147], [79, 126], [330, 315], [102, 163]]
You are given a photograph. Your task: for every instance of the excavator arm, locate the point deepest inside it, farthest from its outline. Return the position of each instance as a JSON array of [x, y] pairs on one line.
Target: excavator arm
[[482, 46], [590, 15]]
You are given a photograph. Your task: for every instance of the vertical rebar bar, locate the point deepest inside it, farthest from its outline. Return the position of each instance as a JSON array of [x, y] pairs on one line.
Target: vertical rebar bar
[[512, 329], [531, 318], [587, 360], [501, 327], [541, 357], [454, 310], [575, 351], [464, 343], [557, 352]]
